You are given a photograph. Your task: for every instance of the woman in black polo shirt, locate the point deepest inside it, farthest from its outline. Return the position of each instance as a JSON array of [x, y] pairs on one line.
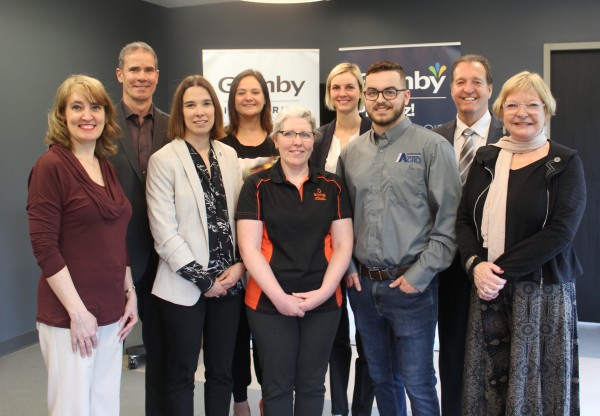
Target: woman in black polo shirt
[[295, 237]]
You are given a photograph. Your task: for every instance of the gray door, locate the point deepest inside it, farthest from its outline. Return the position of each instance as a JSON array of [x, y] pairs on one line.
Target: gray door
[[575, 84]]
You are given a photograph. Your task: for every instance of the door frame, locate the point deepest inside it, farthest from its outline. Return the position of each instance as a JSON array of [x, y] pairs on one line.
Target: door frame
[[569, 46], [549, 49]]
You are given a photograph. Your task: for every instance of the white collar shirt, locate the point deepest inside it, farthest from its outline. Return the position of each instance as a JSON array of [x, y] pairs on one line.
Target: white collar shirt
[[481, 128]]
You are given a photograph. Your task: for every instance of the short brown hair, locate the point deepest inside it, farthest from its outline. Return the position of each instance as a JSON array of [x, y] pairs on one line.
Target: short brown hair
[[58, 131], [177, 123], [135, 46], [474, 58], [381, 66]]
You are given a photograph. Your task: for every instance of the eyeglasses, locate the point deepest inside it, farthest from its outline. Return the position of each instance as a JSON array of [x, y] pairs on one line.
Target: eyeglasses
[[388, 93], [291, 134], [532, 107]]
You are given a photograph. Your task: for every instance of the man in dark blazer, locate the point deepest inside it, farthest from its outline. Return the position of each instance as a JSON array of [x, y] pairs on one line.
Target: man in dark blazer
[[471, 89], [144, 132]]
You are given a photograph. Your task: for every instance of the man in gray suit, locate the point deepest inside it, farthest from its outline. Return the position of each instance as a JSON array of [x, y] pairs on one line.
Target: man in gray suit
[[474, 126], [144, 132]]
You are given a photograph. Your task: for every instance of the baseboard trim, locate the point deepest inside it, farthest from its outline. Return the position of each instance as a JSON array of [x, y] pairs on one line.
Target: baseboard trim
[[16, 343]]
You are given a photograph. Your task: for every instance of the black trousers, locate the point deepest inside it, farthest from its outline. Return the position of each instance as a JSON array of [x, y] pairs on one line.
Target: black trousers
[[453, 295], [212, 324], [339, 370], [294, 353], [156, 361], [241, 371], [364, 388], [154, 341]]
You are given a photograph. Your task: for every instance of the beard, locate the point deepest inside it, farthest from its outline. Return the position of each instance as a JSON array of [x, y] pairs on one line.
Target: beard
[[385, 120]]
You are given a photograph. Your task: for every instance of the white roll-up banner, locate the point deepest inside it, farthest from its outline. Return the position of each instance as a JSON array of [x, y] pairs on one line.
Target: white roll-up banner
[[292, 75]]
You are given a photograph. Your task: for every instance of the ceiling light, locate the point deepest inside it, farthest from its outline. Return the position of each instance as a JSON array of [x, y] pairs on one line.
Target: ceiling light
[[282, 1]]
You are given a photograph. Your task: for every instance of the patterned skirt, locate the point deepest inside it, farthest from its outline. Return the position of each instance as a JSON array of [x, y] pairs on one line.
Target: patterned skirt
[[522, 352]]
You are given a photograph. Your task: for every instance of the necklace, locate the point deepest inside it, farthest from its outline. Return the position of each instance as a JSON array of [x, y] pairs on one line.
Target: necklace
[[93, 164], [298, 183], [296, 177]]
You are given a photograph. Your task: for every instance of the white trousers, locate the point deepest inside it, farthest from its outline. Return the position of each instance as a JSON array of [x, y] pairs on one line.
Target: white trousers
[[88, 386]]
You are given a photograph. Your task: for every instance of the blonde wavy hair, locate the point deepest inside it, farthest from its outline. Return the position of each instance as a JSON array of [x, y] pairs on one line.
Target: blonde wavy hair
[[93, 90]]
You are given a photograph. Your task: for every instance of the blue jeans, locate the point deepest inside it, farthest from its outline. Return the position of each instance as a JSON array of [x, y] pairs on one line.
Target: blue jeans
[[398, 331]]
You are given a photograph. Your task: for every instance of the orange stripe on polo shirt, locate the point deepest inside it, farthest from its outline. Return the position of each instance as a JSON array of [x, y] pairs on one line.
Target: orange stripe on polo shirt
[[258, 197], [338, 296], [253, 291], [266, 247], [339, 202], [328, 249]]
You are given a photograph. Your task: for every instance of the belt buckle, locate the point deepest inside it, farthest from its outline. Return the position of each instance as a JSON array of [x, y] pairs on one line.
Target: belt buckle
[[379, 277]]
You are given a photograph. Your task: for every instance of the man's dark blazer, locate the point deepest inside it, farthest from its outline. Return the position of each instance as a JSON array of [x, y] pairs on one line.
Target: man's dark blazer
[[140, 244], [496, 131], [454, 292]]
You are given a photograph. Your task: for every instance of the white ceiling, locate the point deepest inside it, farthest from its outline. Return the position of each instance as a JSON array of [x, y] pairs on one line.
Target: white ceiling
[[184, 3]]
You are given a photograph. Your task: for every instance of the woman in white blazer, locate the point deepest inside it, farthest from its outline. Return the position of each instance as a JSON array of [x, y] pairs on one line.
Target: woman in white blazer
[[192, 189]]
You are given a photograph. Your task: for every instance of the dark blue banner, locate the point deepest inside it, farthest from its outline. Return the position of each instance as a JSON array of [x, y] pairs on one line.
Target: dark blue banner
[[427, 69]]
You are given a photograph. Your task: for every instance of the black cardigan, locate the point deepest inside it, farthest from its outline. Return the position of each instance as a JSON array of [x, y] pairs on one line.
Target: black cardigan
[[324, 137], [548, 255]]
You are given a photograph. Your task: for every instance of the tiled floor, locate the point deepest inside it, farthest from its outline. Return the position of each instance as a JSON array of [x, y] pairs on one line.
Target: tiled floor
[[23, 382]]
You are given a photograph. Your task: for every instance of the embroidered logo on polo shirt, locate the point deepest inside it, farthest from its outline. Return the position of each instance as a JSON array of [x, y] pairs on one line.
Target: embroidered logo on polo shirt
[[409, 158], [319, 195]]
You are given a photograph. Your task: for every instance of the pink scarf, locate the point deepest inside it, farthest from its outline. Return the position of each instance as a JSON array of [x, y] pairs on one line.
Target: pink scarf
[[493, 223]]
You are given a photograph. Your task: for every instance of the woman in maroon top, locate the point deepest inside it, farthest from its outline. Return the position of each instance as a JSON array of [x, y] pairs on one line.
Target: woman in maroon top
[[78, 217]]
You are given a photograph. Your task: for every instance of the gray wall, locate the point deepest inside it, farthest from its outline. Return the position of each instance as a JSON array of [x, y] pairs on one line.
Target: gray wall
[[43, 41], [510, 36]]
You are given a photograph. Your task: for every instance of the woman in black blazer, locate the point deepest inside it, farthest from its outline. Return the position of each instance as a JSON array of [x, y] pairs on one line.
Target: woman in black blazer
[[344, 95]]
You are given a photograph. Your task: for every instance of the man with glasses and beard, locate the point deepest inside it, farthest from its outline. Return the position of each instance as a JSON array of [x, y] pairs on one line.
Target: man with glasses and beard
[[404, 187]]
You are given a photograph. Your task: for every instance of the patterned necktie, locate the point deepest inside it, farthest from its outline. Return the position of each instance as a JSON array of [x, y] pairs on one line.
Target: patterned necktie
[[466, 155]]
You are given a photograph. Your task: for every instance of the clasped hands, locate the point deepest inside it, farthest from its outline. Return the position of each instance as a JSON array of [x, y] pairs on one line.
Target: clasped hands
[[297, 304], [487, 280], [226, 280]]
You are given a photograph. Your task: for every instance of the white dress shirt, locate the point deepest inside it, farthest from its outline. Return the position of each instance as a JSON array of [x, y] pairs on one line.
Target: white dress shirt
[[481, 129]]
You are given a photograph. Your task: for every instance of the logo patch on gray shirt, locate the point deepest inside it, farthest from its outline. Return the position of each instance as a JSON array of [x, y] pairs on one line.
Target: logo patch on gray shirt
[[409, 158]]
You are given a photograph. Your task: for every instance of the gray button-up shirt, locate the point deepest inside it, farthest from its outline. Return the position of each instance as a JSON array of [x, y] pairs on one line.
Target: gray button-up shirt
[[405, 189]]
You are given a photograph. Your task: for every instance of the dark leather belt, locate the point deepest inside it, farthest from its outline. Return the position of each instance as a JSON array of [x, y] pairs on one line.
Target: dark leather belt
[[383, 274]]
